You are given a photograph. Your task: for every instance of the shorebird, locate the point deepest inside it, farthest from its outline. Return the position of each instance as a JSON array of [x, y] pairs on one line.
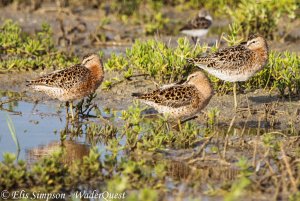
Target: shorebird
[[236, 63], [71, 83], [198, 26], [180, 100]]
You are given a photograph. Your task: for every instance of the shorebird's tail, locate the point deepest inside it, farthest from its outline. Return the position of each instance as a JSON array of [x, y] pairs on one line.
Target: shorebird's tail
[[29, 83], [33, 83], [200, 62], [136, 95], [190, 60]]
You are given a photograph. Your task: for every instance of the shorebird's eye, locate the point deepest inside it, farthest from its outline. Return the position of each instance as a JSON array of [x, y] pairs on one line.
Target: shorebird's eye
[[86, 61], [190, 77]]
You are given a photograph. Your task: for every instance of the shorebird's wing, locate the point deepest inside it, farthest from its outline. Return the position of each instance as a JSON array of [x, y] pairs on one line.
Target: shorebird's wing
[[176, 96], [66, 78], [197, 23], [172, 84], [229, 58]]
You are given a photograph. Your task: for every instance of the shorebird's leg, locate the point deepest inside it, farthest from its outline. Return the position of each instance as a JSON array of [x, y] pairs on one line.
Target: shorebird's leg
[[79, 106], [67, 109], [234, 96], [177, 125], [188, 119], [71, 110], [194, 39]]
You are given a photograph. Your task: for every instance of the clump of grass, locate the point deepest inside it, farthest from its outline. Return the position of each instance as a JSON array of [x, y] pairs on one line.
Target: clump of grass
[[167, 64], [142, 133], [155, 22], [100, 133], [13, 133], [238, 187], [12, 176], [50, 174], [281, 73], [212, 116], [131, 162], [155, 59], [24, 52], [262, 17]]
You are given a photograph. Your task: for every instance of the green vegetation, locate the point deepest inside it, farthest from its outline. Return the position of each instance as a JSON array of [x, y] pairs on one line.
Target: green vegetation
[[153, 158], [9, 100], [155, 59], [13, 132], [134, 162], [259, 17], [167, 64], [23, 52], [151, 16], [262, 17], [52, 175], [282, 73], [147, 134], [117, 174], [239, 186], [148, 15]]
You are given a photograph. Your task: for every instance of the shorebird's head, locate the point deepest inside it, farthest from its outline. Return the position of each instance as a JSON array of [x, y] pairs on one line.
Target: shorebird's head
[[205, 14], [201, 82], [91, 60], [256, 42], [196, 77]]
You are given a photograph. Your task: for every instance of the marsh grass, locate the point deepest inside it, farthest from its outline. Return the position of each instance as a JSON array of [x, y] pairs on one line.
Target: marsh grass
[[146, 162], [262, 17], [155, 60], [13, 133], [281, 73], [141, 156], [140, 153], [23, 52]]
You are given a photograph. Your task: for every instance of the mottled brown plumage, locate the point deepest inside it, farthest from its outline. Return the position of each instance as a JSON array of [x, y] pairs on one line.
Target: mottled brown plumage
[[201, 21], [179, 101], [72, 83], [176, 96], [198, 26], [236, 63]]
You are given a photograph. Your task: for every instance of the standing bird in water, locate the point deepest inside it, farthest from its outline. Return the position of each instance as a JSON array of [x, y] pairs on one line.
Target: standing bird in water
[[180, 100], [198, 27], [236, 63], [72, 83]]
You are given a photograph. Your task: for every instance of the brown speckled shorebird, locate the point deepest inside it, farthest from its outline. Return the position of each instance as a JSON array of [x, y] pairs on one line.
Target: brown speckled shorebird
[[180, 100], [198, 26], [236, 63], [72, 83]]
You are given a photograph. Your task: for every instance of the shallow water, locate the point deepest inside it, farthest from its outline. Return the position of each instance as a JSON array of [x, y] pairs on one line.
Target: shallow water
[[34, 126], [38, 128]]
